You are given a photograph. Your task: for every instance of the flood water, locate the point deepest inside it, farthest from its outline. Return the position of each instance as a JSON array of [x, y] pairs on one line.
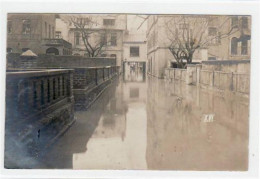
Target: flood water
[[158, 125]]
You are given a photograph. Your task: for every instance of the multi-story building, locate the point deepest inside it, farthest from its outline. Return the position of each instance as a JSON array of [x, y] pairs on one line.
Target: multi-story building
[[236, 46], [225, 38], [135, 48], [110, 26], [35, 32]]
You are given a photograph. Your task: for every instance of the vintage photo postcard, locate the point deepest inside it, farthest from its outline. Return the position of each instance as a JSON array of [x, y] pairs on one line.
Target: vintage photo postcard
[[127, 91]]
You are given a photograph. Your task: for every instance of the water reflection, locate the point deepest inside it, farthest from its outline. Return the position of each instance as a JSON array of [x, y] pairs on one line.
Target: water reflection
[[157, 125], [181, 139]]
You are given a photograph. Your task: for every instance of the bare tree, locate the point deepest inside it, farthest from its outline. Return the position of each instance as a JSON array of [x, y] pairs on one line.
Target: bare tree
[[187, 33], [94, 40]]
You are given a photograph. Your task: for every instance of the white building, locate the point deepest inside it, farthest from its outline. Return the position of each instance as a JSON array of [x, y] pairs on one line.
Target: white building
[[135, 49]]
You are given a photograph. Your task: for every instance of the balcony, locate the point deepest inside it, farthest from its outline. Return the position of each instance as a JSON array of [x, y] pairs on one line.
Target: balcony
[[57, 42], [18, 37]]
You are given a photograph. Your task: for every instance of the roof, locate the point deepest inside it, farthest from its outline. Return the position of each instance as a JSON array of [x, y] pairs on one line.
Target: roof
[[28, 53]]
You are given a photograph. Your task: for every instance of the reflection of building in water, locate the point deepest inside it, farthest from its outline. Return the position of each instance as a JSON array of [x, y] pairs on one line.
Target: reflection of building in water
[[119, 140], [179, 137], [113, 121]]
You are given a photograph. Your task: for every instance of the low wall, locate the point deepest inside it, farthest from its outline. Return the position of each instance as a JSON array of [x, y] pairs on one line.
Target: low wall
[[195, 75], [90, 82], [14, 60], [39, 105], [235, 66]]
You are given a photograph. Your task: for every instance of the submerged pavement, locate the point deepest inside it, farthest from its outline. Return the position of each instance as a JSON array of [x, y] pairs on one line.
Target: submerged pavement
[[158, 125]]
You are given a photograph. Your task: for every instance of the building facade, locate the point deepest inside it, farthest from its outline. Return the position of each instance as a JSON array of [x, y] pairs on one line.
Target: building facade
[[135, 47], [237, 45], [224, 38], [109, 28], [35, 32]]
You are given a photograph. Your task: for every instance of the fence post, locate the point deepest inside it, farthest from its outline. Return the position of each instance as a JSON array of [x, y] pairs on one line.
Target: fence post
[[198, 68], [212, 79], [189, 74]]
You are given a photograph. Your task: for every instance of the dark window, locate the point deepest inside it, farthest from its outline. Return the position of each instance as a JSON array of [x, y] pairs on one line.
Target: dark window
[[49, 31], [52, 32], [212, 31], [212, 58], [244, 22], [45, 27], [134, 51], [103, 39], [26, 27], [25, 49], [9, 27], [9, 50], [113, 39], [234, 21], [103, 55], [234, 45], [58, 35], [108, 21], [244, 47], [77, 38]]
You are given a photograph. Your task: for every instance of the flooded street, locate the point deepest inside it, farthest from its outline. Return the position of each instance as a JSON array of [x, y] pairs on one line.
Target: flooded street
[[158, 125]]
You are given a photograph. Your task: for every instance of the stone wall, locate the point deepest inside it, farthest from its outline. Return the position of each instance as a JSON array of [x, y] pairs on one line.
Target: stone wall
[[90, 82], [221, 80], [39, 106], [235, 66], [51, 61]]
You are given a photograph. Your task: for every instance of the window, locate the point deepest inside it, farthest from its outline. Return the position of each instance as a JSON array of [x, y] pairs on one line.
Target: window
[[45, 27], [58, 35], [49, 31], [52, 32], [103, 39], [77, 38], [244, 47], [234, 21], [212, 31], [134, 93], [9, 27], [113, 56], [212, 58], [134, 51], [26, 27], [9, 50], [103, 55], [113, 39], [244, 22], [234, 45], [108, 21]]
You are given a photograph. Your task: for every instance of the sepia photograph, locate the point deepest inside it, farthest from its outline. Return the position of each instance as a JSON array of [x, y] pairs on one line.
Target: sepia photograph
[[127, 91]]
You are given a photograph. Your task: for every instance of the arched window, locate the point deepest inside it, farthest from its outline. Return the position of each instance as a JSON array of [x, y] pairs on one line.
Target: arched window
[[52, 51], [234, 44], [113, 56]]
